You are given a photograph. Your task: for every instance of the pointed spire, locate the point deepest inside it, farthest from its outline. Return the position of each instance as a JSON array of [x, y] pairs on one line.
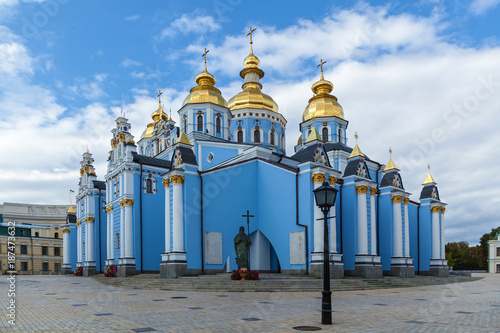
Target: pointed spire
[[356, 152], [429, 180], [184, 139], [71, 210], [314, 135], [391, 165]]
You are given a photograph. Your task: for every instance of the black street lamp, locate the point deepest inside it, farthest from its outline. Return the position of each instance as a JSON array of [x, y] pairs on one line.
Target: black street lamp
[[325, 198]]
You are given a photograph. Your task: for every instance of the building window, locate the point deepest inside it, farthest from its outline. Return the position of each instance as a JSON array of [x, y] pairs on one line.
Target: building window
[[324, 134], [45, 266], [184, 124], [83, 247], [240, 136], [217, 125], [22, 232], [56, 235], [57, 267], [24, 266], [24, 249], [45, 251], [271, 139], [282, 141], [149, 186], [57, 251], [199, 123], [340, 135], [498, 251], [117, 241], [37, 234], [256, 136], [210, 157], [498, 267]]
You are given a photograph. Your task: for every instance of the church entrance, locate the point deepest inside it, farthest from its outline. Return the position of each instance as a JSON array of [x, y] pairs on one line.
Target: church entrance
[[263, 257]]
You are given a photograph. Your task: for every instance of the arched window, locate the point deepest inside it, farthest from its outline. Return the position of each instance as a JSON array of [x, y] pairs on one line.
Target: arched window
[[272, 139], [282, 141], [184, 124], [199, 122], [217, 125], [256, 136], [340, 134], [240, 136], [324, 134], [149, 186], [56, 235], [308, 133], [37, 234], [83, 247], [117, 241]]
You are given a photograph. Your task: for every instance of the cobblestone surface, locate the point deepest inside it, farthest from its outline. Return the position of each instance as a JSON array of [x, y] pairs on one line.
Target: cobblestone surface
[[78, 304]]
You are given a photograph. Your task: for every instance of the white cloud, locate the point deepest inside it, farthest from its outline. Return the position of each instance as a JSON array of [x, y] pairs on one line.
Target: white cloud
[[189, 24], [132, 18], [479, 7], [128, 62], [89, 89]]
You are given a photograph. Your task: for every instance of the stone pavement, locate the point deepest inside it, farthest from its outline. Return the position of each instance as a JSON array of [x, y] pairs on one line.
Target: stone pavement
[[78, 304]]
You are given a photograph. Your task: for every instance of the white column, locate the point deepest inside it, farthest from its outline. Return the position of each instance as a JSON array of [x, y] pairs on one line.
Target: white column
[[407, 228], [129, 239], [177, 213], [166, 183], [373, 193], [442, 233], [362, 220], [397, 232], [122, 230], [108, 238], [436, 247], [89, 255], [111, 234], [318, 179], [79, 241], [66, 249]]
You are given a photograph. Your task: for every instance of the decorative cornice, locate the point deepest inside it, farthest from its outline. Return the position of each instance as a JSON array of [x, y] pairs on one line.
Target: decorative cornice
[[78, 223], [128, 202], [397, 198], [65, 231], [89, 220], [121, 203], [166, 182], [332, 180], [373, 190], [177, 179], [113, 143], [318, 177], [362, 189], [442, 210], [435, 209]]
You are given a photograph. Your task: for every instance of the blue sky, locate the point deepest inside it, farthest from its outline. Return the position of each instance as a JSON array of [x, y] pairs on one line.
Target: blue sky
[[422, 77]]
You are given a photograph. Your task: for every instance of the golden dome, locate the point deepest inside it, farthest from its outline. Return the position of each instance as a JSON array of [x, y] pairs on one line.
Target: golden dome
[[148, 132], [322, 104], [205, 92], [252, 96], [299, 141]]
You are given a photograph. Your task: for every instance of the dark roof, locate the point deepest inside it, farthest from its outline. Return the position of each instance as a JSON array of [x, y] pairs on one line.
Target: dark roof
[[389, 178], [152, 161], [328, 146], [352, 168], [99, 184], [307, 154], [427, 192], [188, 156]]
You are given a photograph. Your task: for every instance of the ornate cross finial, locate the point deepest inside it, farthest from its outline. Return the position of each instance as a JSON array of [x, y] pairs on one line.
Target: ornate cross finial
[[390, 152], [205, 55], [250, 33], [159, 96], [321, 63], [429, 167], [356, 137]]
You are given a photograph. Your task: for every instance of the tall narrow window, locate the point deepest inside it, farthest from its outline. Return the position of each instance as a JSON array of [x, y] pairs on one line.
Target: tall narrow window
[[217, 125], [272, 139], [256, 136], [240, 136], [340, 134], [117, 241], [184, 124], [149, 186], [56, 235], [324, 134], [199, 123]]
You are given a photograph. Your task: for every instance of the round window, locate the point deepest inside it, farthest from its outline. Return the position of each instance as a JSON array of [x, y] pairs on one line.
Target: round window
[[56, 228], [210, 157]]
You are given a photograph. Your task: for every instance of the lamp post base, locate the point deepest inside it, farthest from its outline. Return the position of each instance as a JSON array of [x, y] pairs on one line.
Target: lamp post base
[[326, 308]]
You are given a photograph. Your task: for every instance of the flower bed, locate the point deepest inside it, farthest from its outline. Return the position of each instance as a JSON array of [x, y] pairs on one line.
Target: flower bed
[[110, 271], [78, 271], [251, 275]]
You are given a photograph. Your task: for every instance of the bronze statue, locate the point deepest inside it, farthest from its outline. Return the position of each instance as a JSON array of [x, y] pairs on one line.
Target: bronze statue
[[241, 246]]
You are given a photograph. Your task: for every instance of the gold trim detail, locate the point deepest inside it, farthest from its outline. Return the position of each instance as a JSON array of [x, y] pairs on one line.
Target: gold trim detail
[[166, 182], [373, 190], [435, 209], [65, 231], [177, 179], [318, 177], [128, 202], [407, 200], [332, 180], [113, 143], [442, 210], [78, 223], [89, 220], [397, 198], [362, 189], [121, 203]]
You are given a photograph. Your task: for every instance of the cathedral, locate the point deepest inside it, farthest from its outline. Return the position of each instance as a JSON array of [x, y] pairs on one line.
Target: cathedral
[[173, 201]]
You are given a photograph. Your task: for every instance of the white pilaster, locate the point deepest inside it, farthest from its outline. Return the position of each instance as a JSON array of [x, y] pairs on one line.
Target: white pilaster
[[407, 228], [166, 183], [122, 230], [442, 233], [436, 247], [362, 220], [129, 239], [397, 232], [373, 193], [89, 255], [177, 213], [318, 179], [79, 242], [66, 249]]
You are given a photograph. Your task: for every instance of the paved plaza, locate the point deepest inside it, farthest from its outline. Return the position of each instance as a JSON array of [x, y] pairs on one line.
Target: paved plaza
[[78, 304]]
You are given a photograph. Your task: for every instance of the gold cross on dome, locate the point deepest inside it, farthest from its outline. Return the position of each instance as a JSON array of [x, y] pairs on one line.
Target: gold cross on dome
[[429, 167], [205, 54], [390, 151], [321, 63], [356, 137], [159, 96], [250, 33]]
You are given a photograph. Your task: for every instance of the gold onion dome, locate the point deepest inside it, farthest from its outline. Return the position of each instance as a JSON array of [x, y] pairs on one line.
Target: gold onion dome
[[148, 132], [205, 92], [322, 104], [252, 95]]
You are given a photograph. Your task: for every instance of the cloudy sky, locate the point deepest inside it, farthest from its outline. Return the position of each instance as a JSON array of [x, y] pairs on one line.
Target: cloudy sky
[[422, 77]]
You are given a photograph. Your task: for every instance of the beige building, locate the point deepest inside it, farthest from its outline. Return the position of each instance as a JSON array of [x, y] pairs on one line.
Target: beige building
[[494, 254], [39, 237]]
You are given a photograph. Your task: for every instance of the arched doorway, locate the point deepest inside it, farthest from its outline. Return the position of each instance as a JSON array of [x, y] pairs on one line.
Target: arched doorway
[[263, 257]]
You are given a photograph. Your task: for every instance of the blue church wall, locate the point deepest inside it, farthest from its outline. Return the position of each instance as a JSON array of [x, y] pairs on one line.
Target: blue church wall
[[414, 237], [100, 232], [265, 126], [82, 233], [73, 237], [425, 235], [306, 208], [220, 155], [385, 230], [349, 225], [192, 217], [116, 230], [153, 223]]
